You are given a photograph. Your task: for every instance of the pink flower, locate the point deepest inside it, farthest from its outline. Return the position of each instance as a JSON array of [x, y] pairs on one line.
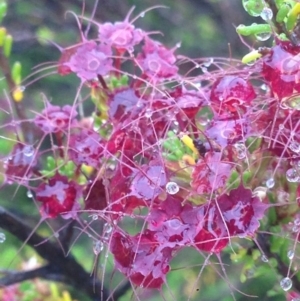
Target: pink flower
[[156, 60], [90, 60], [120, 35], [55, 119]]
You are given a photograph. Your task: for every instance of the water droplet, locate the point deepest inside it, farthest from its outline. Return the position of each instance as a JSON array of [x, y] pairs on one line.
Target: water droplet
[[29, 194], [142, 15], [203, 120], [95, 217], [174, 223], [56, 234], [175, 127], [148, 113], [172, 188], [297, 221], [263, 36], [266, 14], [264, 258], [253, 8], [286, 283], [295, 229], [97, 246], [295, 299], [281, 126], [96, 127], [292, 175], [28, 150], [295, 147], [2, 237], [290, 254], [22, 88], [249, 273], [241, 150], [178, 45], [265, 87], [260, 192], [204, 69], [270, 183], [197, 66], [107, 228], [208, 62]]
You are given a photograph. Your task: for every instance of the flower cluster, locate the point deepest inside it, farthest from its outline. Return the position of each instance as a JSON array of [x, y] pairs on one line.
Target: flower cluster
[[190, 157]]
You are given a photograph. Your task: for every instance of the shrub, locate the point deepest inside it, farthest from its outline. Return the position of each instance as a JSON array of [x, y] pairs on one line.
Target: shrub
[[169, 162]]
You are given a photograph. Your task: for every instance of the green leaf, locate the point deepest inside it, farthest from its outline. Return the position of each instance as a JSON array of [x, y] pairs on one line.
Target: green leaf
[[253, 29]]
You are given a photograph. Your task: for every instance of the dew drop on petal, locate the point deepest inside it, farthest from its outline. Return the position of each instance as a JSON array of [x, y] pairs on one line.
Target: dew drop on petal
[[97, 246], [290, 254], [172, 188], [286, 283], [2, 237], [270, 183], [266, 14], [28, 151], [264, 258], [29, 194], [148, 113]]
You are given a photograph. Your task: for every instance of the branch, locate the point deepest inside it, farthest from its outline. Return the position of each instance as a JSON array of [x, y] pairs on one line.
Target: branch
[[45, 272], [63, 269]]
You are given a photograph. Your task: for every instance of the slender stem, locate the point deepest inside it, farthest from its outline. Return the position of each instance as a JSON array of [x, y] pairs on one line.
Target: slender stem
[[26, 127]]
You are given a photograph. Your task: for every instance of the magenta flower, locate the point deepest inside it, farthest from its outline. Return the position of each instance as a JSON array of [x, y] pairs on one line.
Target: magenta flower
[[231, 94], [19, 165], [58, 196], [85, 148], [120, 35], [241, 211], [157, 61], [55, 119], [90, 60]]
